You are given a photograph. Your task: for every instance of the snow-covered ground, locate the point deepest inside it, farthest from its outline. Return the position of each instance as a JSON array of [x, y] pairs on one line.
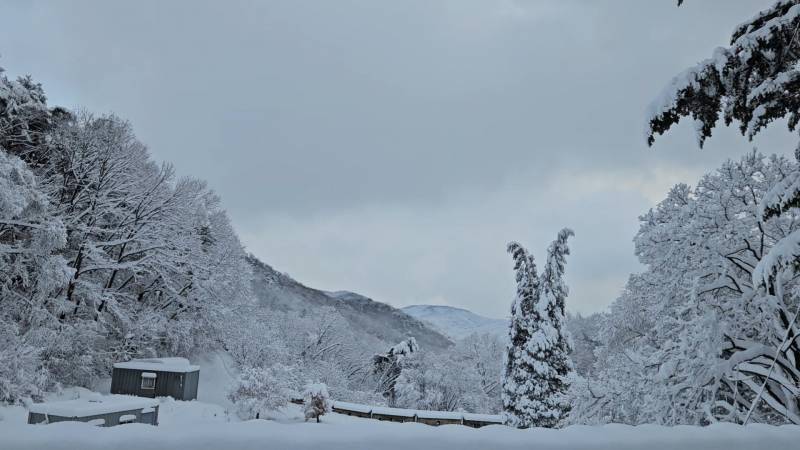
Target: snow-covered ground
[[198, 426], [209, 424]]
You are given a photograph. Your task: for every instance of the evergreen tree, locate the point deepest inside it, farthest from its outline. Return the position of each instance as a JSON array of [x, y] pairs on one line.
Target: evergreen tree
[[517, 385], [24, 119], [551, 341], [388, 366], [753, 82], [537, 363]]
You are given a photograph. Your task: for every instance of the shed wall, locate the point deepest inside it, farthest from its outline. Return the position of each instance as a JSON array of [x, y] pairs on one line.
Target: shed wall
[[191, 383], [129, 381], [110, 419], [436, 422]]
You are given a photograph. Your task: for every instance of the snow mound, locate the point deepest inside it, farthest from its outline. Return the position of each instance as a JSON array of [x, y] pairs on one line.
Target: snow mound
[[365, 434], [92, 405]]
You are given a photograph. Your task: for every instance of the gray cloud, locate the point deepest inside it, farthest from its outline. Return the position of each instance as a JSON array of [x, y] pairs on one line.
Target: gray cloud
[[393, 148]]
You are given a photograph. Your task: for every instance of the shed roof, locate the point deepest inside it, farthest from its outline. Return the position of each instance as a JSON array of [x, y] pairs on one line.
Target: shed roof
[[93, 405], [159, 365]]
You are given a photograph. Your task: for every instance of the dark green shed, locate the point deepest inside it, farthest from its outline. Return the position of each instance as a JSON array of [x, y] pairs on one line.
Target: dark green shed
[[156, 377]]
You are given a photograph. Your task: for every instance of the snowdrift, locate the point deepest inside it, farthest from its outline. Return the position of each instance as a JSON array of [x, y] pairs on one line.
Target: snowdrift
[[366, 434]]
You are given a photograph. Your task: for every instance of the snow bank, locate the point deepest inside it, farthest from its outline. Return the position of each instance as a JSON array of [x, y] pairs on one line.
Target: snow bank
[[195, 425], [260, 434], [216, 378], [191, 414], [93, 405]]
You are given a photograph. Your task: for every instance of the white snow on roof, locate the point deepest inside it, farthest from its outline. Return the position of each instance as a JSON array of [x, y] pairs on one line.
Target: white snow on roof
[[398, 412], [353, 407], [92, 406], [422, 414], [159, 365]]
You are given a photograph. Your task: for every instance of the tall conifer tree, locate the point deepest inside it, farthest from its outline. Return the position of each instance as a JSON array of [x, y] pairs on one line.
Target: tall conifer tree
[[537, 363], [518, 386]]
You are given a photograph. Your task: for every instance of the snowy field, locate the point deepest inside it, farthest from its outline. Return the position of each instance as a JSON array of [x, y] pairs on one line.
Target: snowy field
[[198, 426], [210, 424]]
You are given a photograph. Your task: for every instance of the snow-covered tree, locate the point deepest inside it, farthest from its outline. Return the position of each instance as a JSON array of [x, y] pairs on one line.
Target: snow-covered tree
[[584, 331], [693, 338], [316, 344], [753, 82], [478, 360], [31, 271], [316, 401], [104, 256], [551, 342], [21, 374], [30, 236], [518, 389], [259, 392], [538, 369], [432, 381], [387, 367], [24, 118]]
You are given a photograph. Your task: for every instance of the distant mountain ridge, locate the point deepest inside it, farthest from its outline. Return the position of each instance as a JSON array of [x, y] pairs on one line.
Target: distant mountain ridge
[[457, 323], [377, 322]]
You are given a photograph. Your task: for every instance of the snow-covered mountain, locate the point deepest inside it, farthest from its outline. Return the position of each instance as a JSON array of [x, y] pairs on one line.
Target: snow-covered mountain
[[456, 322], [369, 318]]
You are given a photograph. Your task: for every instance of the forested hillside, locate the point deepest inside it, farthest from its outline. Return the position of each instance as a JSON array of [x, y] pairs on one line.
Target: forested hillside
[[105, 255], [375, 323]]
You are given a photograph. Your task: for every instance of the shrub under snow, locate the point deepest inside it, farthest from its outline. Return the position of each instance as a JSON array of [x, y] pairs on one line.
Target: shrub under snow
[[259, 391], [316, 401]]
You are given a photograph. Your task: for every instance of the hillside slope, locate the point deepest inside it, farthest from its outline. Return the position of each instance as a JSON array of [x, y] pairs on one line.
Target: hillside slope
[[375, 320], [457, 323]]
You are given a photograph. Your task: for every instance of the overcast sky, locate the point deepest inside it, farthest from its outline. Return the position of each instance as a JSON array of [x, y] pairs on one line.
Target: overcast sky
[[394, 148]]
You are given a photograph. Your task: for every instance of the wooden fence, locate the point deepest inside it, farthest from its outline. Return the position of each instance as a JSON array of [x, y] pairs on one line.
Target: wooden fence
[[434, 418]]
